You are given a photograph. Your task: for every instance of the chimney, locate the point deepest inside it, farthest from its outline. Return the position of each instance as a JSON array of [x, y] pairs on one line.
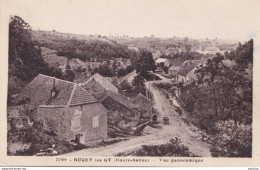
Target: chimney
[[53, 90], [67, 63]]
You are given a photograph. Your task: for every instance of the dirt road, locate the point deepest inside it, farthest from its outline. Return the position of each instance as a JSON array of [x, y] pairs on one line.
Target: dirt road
[[153, 136]]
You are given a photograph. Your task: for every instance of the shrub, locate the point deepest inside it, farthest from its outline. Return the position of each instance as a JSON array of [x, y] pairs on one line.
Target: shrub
[[174, 148], [232, 140]]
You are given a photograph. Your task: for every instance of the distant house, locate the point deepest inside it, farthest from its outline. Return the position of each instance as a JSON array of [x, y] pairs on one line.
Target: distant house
[[122, 62], [127, 78], [116, 103], [66, 109], [209, 50], [92, 64], [173, 70], [94, 88], [212, 50], [179, 77], [75, 63], [144, 103], [162, 62], [191, 81], [192, 74], [132, 47], [187, 86], [103, 81], [176, 62], [156, 54], [186, 73]]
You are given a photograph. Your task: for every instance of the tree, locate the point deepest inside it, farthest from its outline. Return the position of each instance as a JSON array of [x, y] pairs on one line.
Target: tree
[[25, 61], [223, 92], [232, 140], [165, 69], [138, 81], [121, 72], [188, 47], [144, 63], [129, 69], [69, 75], [105, 70], [138, 84], [125, 86]]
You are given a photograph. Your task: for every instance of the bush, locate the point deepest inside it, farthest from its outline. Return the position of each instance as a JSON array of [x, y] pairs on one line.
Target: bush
[[232, 140], [174, 148]]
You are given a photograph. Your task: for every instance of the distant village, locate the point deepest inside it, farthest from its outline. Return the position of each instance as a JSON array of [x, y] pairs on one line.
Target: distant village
[[94, 108]]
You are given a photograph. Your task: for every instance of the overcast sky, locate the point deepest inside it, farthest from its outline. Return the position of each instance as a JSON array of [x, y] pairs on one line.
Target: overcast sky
[[225, 19]]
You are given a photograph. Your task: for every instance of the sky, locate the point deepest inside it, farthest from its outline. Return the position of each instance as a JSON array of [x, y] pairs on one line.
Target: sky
[[224, 19]]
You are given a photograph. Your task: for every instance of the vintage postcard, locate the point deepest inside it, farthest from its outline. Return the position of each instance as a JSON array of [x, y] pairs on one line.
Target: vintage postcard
[[129, 83]]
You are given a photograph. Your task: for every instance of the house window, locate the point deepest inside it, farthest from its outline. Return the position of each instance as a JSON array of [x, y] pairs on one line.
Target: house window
[[95, 122], [75, 123]]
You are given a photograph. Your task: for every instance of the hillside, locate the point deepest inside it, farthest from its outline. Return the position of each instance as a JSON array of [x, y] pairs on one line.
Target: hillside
[[82, 47]]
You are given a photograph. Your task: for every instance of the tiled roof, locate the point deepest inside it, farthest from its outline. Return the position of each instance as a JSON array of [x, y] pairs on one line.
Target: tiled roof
[[120, 99], [80, 96], [174, 68], [136, 100], [188, 82], [176, 62], [68, 93], [192, 74], [103, 81], [133, 73], [161, 60], [186, 69], [94, 88]]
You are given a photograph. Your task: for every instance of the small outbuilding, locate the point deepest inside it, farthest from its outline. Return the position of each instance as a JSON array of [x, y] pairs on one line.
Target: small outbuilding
[[162, 62]]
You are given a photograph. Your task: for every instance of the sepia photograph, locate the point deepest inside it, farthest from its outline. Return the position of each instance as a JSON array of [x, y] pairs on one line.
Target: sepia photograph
[[129, 81]]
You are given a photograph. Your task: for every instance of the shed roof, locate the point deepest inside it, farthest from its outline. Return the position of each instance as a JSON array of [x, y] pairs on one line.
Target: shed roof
[[120, 99], [144, 101], [68, 93]]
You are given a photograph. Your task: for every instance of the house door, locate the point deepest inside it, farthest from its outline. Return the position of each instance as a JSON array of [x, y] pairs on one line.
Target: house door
[[78, 138]]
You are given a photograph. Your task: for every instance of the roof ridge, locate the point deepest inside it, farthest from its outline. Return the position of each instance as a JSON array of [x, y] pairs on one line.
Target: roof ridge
[[74, 87], [126, 76], [56, 78], [92, 77]]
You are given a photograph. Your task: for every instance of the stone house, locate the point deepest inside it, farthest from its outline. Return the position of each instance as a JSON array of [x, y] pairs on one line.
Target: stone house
[[104, 82], [66, 109], [180, 77], [94, 88], [162, 62], [173, 70]]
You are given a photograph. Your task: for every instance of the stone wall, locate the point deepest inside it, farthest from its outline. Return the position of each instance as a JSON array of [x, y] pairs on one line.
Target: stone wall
[[59, 120]]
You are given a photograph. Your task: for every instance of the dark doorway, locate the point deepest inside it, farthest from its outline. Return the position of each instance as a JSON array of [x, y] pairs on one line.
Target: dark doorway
[[77, 138]]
